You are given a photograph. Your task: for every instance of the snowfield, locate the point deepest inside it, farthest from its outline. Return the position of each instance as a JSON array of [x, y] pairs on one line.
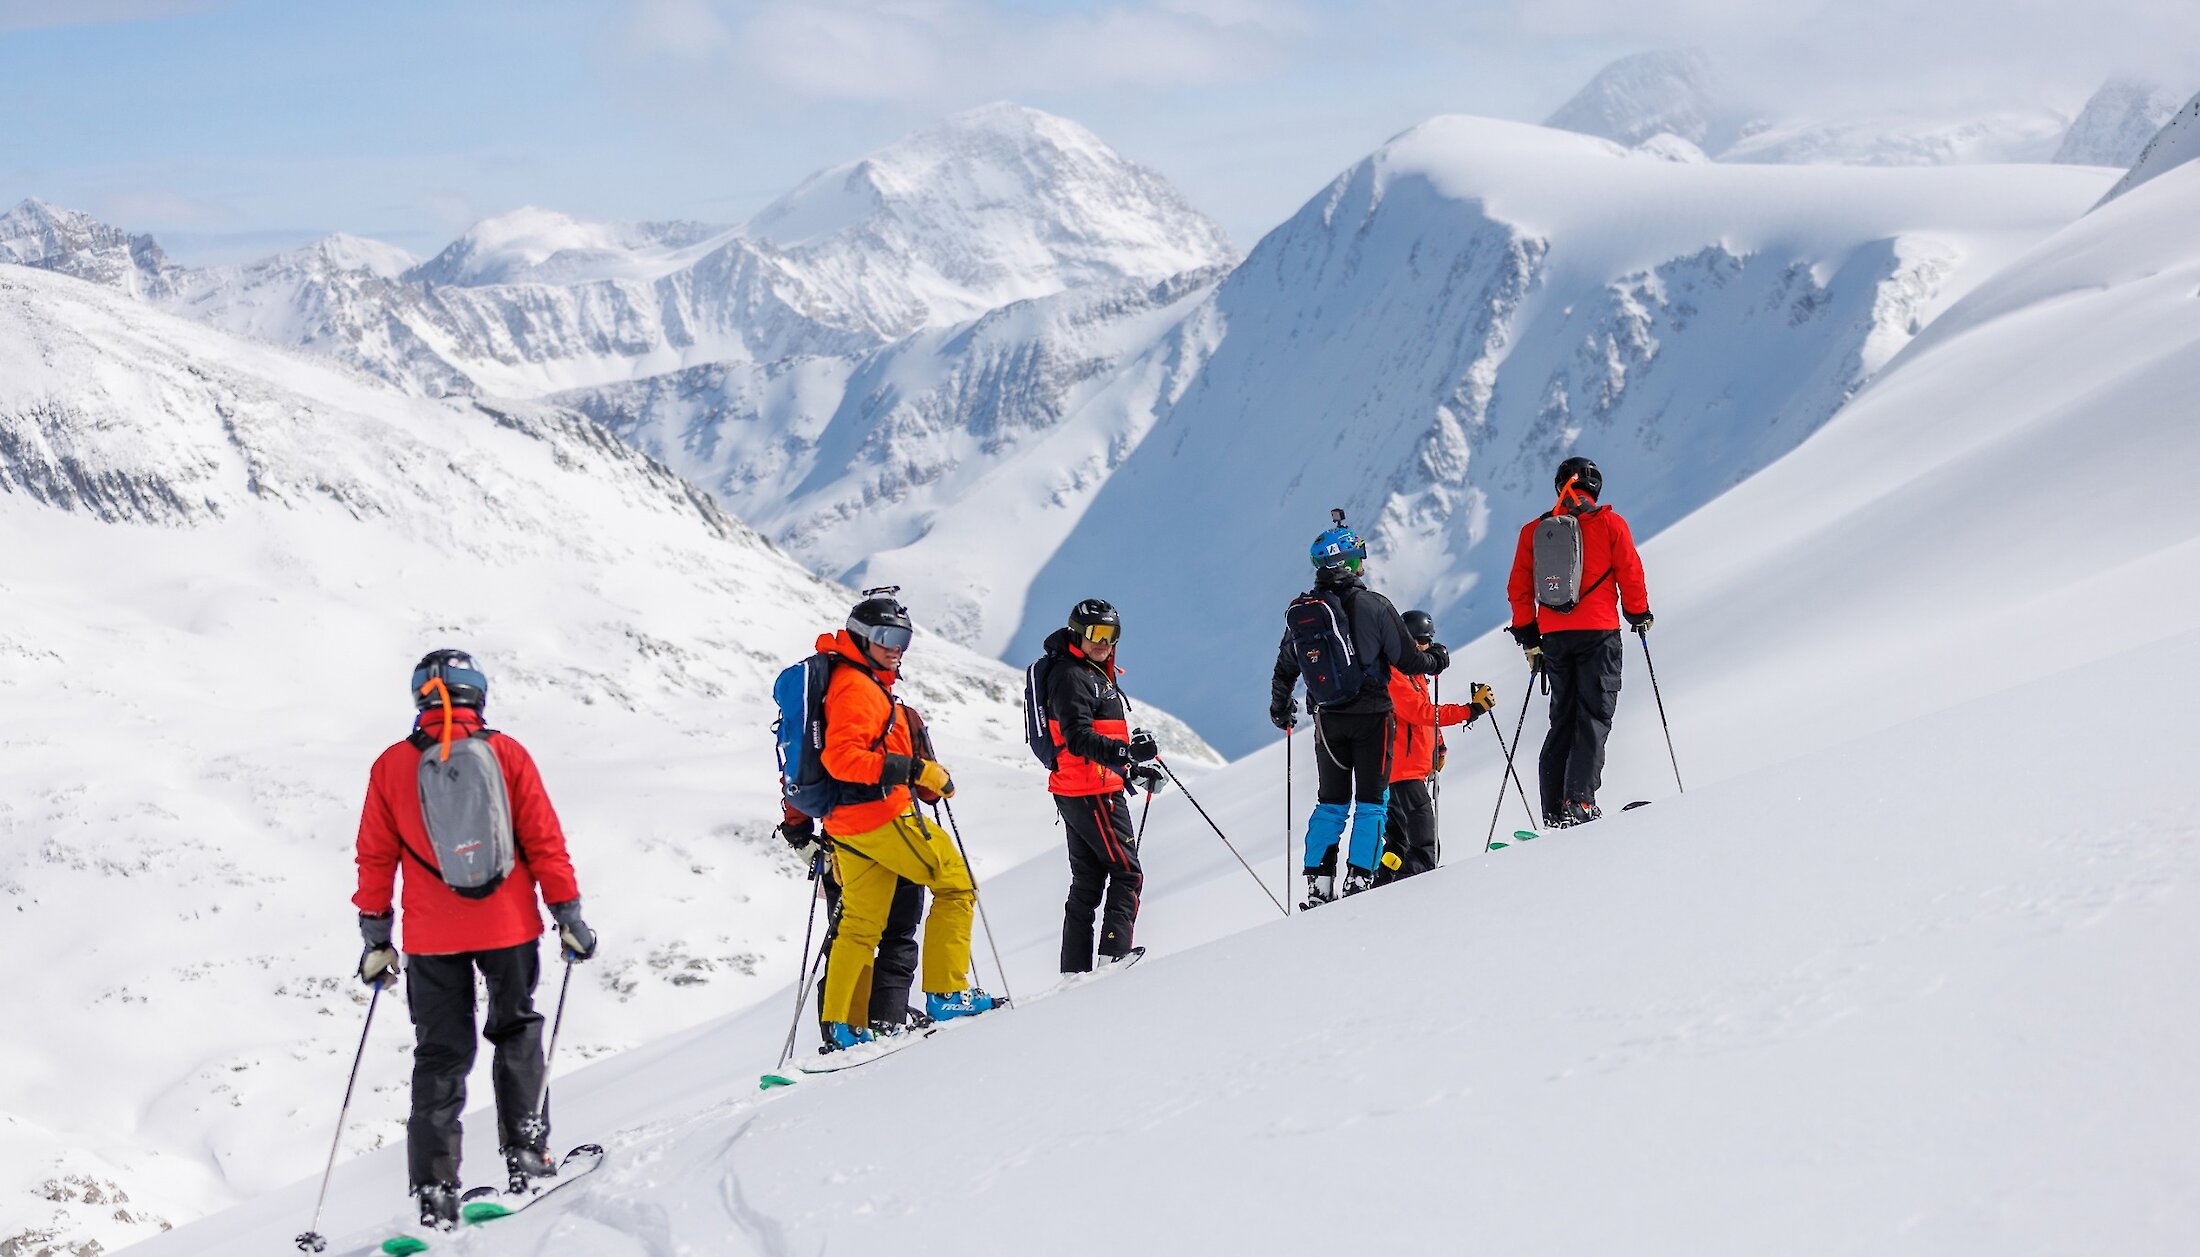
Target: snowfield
[[1903, 972]]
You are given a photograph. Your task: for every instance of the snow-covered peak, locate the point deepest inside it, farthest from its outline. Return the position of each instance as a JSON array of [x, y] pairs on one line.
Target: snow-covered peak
[[2116, 123], [998, 204], [1977, 137], [2175, 144], [1675, 91], [545, 246], [72, 242], [357, 253]]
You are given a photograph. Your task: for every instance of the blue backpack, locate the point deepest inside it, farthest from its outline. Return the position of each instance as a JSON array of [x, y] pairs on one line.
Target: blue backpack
[[1320, 628], [800, 732]]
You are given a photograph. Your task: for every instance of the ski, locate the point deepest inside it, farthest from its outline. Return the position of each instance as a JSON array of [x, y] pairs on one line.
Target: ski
[[864, 1054], [1519, 835], [1637, 803], [481, 1205]]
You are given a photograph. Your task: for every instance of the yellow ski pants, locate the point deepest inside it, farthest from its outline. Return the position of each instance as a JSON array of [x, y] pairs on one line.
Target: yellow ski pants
[[866, 865]]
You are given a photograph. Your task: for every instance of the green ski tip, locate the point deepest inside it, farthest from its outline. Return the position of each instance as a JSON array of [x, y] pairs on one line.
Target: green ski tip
[[404, 1244], [1525, 835], [768, 1081], [483, 1211], [1499, 846]]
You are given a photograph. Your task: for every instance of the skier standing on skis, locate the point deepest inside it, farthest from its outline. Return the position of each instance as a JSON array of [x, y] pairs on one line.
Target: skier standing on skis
[[1416, 756], [884, 990], [1345, 639], [1574, 572], [461, 808], [878, 754], [1096, 754]]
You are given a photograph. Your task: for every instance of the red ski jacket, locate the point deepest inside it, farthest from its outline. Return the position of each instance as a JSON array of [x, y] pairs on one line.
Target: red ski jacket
[[1611, 575], [1413, 745], [436, 920]]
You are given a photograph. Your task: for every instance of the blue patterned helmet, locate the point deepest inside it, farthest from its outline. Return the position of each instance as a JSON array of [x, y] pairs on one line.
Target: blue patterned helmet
[[1339, 547], [460, 677]]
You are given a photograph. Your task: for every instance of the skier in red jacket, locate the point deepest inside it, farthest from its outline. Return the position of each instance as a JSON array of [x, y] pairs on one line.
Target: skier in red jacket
[[1574, 640], [1410, 841], [449, 933]]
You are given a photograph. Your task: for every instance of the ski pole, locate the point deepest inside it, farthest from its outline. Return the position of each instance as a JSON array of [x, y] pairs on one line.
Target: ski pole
[[1436, 747], [979, 899], [801, 974], [1287, 815], [312, 1241], [1143, 813], [1225, 837], [538, 1126], [1518, 789], [1645, 637], [1518, 729]]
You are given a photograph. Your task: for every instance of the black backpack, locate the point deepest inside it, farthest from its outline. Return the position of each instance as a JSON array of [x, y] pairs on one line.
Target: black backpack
[[1320, 628], [1038, 730]]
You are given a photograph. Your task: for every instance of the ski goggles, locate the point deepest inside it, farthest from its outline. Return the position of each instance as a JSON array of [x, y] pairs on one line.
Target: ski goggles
[[1102, 634], [884, 636]]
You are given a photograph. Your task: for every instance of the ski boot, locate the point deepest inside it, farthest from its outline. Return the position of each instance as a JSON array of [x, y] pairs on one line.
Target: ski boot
[[961, 1004], [1124, 961], [1575, 812], [1320, 889], [523, 1166], [1356, 880], [840, 1036], [438, 1205]]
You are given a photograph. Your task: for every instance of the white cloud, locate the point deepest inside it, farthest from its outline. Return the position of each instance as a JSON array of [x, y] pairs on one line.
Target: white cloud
[[933, 53]]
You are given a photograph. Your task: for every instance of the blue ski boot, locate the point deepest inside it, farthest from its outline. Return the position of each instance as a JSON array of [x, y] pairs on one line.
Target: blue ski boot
[[961, 1004], [843, 1036]]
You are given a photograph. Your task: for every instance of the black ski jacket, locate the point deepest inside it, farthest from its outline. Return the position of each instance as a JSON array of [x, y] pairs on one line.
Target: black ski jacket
[[1379, 637], [1091, 720]]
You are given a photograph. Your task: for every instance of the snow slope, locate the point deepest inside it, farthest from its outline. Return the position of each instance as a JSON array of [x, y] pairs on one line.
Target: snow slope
[[1898, 974], [1425, 341], [221, 562]]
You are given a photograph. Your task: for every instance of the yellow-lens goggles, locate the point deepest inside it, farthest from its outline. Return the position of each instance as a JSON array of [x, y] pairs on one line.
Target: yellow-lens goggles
[[1102, 633]]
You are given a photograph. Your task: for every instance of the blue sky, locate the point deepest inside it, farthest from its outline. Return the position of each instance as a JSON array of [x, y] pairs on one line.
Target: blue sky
[[229, 129]]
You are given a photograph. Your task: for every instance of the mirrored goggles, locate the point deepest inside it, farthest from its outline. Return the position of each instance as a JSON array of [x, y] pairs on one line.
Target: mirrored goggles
[[884, 636], [1102, 634]]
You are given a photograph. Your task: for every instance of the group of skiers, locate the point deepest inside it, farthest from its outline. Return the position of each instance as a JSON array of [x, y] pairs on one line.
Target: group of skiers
[[461, 808]]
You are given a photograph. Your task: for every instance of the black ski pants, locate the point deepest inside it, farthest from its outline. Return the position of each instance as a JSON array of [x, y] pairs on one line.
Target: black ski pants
[[1104, 877], [1583, 665], [894, 968], [439, 992], [1411, 833], [1352, 756]]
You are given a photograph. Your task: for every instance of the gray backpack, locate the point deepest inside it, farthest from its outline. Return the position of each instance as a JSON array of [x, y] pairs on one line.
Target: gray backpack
[[469, 816], [1558, 563]]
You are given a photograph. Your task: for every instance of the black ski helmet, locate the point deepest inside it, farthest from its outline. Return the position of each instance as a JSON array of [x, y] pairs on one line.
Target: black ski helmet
[[1591, 481], [1420, 625], [1096, 613], [461, 677], [881, 620]]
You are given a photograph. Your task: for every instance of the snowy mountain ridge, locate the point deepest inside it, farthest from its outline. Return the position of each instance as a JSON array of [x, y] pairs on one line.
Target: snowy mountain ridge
[[994, 205]]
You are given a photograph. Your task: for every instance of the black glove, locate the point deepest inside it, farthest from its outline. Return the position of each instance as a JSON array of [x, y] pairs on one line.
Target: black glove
[[1143, 746], [1528, 635], [378, 962], [1437, 655], [1146, 777], [1641, 622], [579, 942], [1283, 711], [802, 835]]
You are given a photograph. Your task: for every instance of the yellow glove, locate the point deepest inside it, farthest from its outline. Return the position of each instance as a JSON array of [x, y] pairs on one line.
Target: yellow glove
[[1482, 699], [932, 776]]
